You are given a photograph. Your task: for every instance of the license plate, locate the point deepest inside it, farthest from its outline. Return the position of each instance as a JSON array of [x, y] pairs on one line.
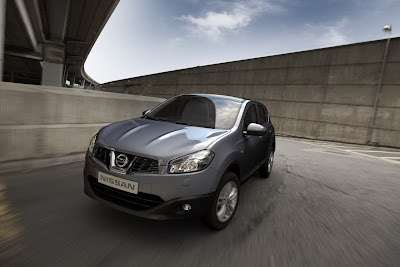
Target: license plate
[[118, 183]]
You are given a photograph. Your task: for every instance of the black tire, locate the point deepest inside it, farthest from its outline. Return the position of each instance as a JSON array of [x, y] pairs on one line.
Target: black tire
[[212, 220], [266, 169]]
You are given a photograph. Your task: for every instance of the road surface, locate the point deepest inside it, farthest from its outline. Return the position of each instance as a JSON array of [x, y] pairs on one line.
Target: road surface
[[325, 204]]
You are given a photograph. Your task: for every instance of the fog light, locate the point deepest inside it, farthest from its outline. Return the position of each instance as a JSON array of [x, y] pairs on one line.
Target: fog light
[[186, 207]]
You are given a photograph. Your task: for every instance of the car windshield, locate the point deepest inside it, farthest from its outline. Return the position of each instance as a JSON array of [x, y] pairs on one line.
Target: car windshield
[[216, 113]]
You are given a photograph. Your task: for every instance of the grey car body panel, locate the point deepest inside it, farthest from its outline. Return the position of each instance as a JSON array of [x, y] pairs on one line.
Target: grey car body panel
[[239, 151], [168, 186], [156, 139], [165, 141]]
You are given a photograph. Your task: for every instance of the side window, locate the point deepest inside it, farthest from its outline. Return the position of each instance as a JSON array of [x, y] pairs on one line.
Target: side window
[[251, 116], [262, 116]]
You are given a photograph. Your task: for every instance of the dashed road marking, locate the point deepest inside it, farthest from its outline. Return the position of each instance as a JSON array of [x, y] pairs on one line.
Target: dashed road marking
[[353, 149], [374, 151]]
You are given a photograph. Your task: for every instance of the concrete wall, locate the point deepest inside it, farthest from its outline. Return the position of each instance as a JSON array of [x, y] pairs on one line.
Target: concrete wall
[[39, 122], [325, 94]]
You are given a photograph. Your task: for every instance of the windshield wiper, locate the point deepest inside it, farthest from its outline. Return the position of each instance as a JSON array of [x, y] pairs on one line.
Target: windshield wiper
[[184, 123], [195, 125], [151, 118], [154, 118]]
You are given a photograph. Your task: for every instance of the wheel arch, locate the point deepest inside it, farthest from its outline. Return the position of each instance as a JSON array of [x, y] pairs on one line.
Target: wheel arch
[[233, 167], [273, 143]]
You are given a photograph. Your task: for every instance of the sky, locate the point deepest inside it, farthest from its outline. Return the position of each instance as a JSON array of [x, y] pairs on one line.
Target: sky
[[152, 36]]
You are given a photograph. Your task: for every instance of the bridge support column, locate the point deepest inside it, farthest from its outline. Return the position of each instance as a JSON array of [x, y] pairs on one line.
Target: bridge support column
[[53, 64], [54, 48], [72, 80], [2, 35]]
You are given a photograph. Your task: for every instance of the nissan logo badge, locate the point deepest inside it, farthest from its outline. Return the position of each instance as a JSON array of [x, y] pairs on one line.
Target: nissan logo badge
[[122, 160]]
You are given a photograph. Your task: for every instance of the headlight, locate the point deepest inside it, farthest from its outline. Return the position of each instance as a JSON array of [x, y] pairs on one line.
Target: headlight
[[91, 143], [190, 163]]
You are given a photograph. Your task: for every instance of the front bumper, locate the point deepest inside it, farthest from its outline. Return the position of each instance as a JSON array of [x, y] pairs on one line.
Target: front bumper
[[163, 199]]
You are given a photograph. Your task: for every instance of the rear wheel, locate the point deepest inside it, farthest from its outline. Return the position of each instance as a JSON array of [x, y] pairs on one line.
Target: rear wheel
[[266, 168], [225, 202]]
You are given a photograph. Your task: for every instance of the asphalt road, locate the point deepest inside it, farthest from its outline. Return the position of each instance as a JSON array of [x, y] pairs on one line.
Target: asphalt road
[[324, 205]]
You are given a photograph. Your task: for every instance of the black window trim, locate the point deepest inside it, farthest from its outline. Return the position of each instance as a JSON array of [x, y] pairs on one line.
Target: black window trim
[[268, 119], [258, 104], [248, 105]]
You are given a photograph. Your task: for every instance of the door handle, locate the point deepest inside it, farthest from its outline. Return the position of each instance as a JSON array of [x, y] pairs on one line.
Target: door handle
[[260, 137]]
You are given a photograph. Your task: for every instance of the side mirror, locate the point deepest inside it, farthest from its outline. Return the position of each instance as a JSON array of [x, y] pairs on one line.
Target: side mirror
[[145, 112], [255, 129]]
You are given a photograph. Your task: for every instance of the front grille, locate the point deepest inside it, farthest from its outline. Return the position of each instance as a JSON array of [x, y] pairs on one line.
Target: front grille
[[103, 154], [138, 202], [144, 165], [140, 164]]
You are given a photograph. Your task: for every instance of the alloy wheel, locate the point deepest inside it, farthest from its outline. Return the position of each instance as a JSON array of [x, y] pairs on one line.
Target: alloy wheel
[[227, 200], [270, 161]]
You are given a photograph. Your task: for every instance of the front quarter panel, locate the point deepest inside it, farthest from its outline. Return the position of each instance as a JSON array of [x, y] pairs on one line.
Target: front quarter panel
[[227, 151]]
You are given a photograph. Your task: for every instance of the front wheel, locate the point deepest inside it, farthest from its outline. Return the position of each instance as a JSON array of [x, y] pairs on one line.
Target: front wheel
[[225, 202], [266, 168]]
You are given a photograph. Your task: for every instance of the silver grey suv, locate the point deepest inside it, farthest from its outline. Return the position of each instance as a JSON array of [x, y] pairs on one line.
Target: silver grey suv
[[187, 157]]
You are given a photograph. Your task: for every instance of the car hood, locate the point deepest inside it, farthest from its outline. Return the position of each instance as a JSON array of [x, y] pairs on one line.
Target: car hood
[[155, 139]]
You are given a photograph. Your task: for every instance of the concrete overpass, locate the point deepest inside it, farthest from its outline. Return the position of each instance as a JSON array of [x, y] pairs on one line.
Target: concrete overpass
[[47, 42]]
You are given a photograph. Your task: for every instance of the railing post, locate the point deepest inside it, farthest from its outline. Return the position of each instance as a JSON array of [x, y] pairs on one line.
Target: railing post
[[378, 93]]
